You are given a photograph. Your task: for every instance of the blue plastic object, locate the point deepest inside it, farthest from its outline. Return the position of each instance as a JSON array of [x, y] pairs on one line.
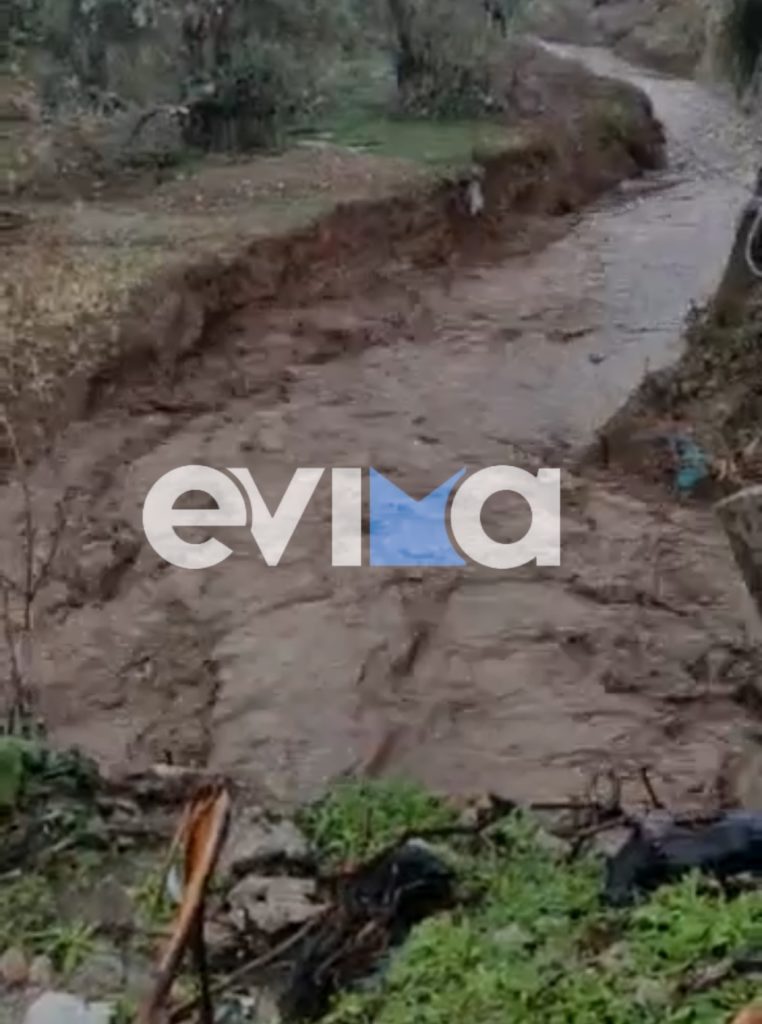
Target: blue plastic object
[[692, 465]]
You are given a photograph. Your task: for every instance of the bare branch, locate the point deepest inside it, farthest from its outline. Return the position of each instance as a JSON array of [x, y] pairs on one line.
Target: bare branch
[[29, 527], [656, 803], [17, 624], [17, 685], [55, 542]]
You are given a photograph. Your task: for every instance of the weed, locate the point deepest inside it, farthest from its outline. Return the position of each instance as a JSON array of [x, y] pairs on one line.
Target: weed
[[68, 944], [538, 947], [27, 910], [439, 144], [124, 1010], [151, 900], [11, 774], [357, 819]]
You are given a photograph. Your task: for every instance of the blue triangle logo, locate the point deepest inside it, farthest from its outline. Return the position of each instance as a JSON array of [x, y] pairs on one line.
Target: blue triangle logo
[[404, 531]]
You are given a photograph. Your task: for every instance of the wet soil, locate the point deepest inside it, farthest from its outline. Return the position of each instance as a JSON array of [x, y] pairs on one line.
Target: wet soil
[[640, 648]]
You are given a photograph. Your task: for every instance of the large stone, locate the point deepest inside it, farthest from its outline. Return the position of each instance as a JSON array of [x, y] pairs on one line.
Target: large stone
[[100, 973], [256, 840], [14, 967], [61, 1008], [740, 781], [41, 972], [107, 970], [271, 904], [112, 908]]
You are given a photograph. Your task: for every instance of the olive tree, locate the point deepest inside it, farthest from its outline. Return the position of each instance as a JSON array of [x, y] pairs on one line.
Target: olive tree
[[445, 50]]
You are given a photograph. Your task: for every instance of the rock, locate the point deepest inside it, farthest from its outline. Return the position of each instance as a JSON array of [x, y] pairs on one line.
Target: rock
[[14, 967], [220, 938], [41, 972], [261, 1007], [113, 911], [741, 778], [61, 1008], [610, 842], [271, 904], [256, 841], [101, 973], [552, 844]]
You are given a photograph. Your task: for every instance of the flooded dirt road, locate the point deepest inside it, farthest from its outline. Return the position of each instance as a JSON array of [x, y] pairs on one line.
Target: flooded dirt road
[[639, 649]]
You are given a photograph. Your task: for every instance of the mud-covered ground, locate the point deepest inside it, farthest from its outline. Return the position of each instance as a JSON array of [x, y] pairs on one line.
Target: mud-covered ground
[[641, 648]]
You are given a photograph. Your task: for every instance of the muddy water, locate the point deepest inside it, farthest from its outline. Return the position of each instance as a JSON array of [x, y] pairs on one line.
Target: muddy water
[[639, 649], [606, 303]]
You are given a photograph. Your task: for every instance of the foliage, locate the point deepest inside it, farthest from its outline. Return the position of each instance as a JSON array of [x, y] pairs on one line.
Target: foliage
[[27, 908], [11, 773], [445, 53], [68, 944], [228, 61], [357, 819], [241, 72], [30, 769], [29, 918], [247, 103], [537, 946], [152, 900]]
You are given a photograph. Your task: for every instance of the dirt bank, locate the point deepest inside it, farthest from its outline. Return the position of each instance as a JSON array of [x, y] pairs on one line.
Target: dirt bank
[[712, 396], [639, 648], [324, 223]]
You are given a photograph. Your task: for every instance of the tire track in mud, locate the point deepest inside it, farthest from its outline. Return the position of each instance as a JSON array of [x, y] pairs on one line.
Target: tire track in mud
[[636, 649]]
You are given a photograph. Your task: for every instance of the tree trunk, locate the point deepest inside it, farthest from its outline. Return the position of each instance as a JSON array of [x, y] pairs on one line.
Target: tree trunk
[[741, 516], [408, 63]]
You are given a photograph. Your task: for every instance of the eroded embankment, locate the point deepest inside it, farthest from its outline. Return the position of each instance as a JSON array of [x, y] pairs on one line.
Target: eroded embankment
[[553, 168], [639, 648]]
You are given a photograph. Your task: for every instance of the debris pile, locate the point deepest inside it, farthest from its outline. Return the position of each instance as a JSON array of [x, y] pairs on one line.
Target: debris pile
[[248, 918]]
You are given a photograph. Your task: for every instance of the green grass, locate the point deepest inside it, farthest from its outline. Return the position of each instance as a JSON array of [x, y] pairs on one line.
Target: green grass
[[358, 819], [537, 946], [358, 113], [435, 143], [30, 919]]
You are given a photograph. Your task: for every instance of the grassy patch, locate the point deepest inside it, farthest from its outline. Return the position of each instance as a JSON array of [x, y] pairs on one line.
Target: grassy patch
[[31, 918], [537, 946], [436, 143], [357, 819], [360, 115], [56, 850]]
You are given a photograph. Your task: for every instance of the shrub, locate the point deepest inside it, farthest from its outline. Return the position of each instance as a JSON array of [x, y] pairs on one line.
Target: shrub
[[445, 52], [244, 68]]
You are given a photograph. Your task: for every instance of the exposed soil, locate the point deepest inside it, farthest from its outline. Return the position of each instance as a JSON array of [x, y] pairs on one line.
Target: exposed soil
[[640, 648], [711, 395], [161, 266]]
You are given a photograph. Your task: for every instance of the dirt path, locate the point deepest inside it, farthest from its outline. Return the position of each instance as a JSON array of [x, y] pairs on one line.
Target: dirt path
[[637, 649]]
